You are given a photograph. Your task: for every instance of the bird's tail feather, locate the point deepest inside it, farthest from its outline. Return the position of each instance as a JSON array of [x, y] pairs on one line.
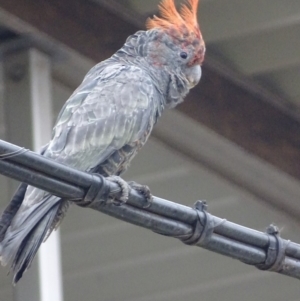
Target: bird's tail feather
[[11, 210], [26, 233]]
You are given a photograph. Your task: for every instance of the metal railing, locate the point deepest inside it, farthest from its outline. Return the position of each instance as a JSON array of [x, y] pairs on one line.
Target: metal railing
[[193, 226]]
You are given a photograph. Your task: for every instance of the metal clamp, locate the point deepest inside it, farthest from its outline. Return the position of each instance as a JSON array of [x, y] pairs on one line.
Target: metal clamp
[[275, 254], [204, 226], [97, 188]]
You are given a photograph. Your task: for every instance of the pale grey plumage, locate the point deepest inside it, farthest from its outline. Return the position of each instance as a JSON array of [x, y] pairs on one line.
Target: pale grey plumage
[[101, 127]]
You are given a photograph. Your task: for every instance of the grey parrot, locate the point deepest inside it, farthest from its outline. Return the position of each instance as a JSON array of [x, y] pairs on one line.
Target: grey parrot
[[107, 120]]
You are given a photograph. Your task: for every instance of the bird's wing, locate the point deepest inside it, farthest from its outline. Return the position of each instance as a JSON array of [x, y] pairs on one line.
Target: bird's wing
[[108, 111]]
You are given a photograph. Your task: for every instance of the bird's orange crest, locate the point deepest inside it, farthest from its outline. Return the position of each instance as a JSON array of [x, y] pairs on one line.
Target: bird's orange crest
[[187, 16], [183, 24]]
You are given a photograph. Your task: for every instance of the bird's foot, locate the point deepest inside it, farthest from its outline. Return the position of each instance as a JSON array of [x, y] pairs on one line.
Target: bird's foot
[[124, 191], [144, 190]]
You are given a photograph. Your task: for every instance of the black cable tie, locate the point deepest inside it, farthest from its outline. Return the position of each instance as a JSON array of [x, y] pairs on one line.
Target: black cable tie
[[204, 226], [275, 254], [16, 153], [97, 188]]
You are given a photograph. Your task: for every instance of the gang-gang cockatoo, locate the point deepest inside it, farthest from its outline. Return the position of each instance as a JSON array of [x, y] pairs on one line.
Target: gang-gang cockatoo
[[107, 120]]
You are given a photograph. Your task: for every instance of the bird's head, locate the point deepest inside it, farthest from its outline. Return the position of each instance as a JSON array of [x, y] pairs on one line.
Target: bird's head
[[177, 44]]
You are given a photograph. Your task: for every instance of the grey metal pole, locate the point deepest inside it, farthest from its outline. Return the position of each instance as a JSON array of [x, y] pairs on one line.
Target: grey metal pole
[[266, 251]]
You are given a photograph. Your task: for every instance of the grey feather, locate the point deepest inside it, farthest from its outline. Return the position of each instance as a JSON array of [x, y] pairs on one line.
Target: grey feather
[[119, 108]]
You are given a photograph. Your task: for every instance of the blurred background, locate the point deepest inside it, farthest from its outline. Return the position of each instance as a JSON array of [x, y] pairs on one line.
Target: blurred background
[[234, 142]]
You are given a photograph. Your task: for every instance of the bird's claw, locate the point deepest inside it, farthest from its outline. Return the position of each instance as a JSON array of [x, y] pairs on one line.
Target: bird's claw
[[144, 190], [124, 191], [125, 188]]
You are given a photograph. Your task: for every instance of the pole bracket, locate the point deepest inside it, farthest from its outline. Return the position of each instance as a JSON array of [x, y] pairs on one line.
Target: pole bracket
[[96, 189], [204, 227], [276, 251]]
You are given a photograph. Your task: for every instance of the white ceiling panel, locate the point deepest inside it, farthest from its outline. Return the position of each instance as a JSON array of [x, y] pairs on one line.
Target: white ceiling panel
[[263, 52]]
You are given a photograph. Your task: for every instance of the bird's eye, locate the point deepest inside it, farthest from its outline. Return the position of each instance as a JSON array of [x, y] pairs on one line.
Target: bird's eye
[[183, 55]]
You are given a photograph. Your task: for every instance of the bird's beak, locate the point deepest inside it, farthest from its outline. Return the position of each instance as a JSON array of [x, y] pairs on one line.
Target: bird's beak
[[193, 75]]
